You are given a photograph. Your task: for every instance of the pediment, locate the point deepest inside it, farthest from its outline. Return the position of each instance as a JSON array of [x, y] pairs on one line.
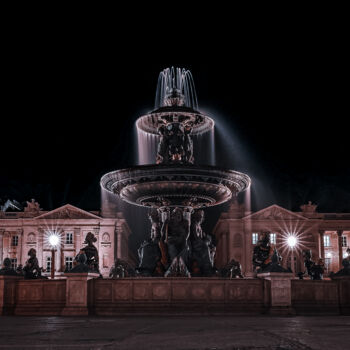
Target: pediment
[[275, 212], [67, 212]]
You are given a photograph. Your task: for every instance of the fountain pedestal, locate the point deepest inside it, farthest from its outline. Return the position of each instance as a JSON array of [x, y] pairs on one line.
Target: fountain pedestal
[[77, 292], [280, 292]]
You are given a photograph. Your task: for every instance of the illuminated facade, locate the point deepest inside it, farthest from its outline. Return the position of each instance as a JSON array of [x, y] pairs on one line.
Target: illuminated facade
[[327, 235], [20, 231]]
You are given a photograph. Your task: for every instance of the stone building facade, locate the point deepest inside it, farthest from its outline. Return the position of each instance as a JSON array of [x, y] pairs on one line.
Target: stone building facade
[[20, 231], [326, 234]]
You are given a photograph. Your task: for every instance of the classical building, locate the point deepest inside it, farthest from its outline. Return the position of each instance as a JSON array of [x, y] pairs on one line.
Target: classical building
[[326, 234], [20, 231]]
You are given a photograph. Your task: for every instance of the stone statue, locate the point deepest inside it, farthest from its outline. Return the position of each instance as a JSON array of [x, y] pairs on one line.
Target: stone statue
[[6, 269], [150, 252], [266, 257], [232, 270], [31, 268], [91, 253], [32, 206], [314, 271], [121, 269], [175, 232], [202, 248], [175, 144], [345, 271], [262, 253], [80, 263], [19, 270]]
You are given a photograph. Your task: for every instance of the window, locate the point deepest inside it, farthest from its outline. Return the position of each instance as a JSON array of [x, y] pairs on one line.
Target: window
[[14, 263], [69, 262], [14, 241], [48, 264], [327, 263], [327, 241], [273, 238], [69, 238], [255, 238], [344, 241]]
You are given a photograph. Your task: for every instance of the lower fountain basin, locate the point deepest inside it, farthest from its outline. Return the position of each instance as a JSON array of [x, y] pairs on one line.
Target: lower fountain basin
[[175, 185]]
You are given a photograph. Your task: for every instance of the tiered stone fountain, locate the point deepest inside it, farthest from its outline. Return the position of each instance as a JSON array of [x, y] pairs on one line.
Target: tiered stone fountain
[[175, 188]]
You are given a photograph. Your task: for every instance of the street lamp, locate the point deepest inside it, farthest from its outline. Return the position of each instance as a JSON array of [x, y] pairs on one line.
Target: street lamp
[[54, 239], [292, 242]]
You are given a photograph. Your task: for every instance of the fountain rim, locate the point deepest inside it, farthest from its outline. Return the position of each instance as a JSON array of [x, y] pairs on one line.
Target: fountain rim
[[197, 130], [233, 180]]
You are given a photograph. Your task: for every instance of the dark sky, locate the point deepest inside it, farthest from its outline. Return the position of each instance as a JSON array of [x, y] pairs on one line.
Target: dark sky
[[66, 121]]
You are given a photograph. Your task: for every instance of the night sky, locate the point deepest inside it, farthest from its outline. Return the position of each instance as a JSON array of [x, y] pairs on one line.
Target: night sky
[[280, 118]]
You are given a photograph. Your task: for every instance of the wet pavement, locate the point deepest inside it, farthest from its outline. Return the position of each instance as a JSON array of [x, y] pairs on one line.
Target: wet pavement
[[190, 332]]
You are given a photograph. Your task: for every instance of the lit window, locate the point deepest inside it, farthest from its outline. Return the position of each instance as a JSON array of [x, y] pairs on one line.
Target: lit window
[[344, 241], [14, 241], [255, 238], [69, 238], [273, 238], [327, 241], [14, 263], [48, 264], [69, 262]]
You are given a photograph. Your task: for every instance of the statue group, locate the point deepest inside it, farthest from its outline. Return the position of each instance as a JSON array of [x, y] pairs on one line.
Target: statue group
[[176, 145], [177, 245]]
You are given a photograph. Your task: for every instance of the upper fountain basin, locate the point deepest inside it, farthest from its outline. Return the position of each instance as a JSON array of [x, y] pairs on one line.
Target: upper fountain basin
[[149, 123]]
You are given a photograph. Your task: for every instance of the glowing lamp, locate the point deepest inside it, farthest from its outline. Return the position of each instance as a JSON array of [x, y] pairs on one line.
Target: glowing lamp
[[292, 241], [329, 255], [54, 240], [346, 255]]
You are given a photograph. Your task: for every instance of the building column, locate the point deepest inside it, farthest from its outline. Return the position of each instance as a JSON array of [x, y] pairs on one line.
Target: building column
[[77, 239], [40, 248], [1, 246], [19, 247], [321, 233], [340, 248]]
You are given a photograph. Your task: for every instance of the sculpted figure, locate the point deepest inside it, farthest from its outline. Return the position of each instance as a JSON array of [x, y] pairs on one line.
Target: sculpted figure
[[345, 271], [175, 144], [6, 269], [80, 263], [91, 252], [203, 249], [262, 253], [31, 268], [314, 270], [121, 269], [150, 254], [175, 232], [232, 270]]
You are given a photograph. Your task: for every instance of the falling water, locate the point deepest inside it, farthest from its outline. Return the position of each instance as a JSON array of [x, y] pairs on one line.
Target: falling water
[[147, 147], [176, 79]]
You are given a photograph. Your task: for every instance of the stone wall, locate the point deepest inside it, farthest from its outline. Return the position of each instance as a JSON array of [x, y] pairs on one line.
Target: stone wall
[[84, 294], [40, 297], [178, 295]]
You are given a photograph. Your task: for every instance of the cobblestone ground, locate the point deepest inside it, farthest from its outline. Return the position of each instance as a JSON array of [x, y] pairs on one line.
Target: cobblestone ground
[[239, 332]]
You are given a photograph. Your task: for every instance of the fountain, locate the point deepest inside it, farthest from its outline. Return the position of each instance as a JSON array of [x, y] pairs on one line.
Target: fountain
[[175, 188]]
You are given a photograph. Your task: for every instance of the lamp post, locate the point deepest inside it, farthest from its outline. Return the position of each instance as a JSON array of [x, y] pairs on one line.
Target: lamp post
[[54, 241], [292, 242]]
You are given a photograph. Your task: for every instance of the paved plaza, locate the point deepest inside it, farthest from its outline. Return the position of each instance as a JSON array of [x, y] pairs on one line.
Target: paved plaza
[[191, 332]]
